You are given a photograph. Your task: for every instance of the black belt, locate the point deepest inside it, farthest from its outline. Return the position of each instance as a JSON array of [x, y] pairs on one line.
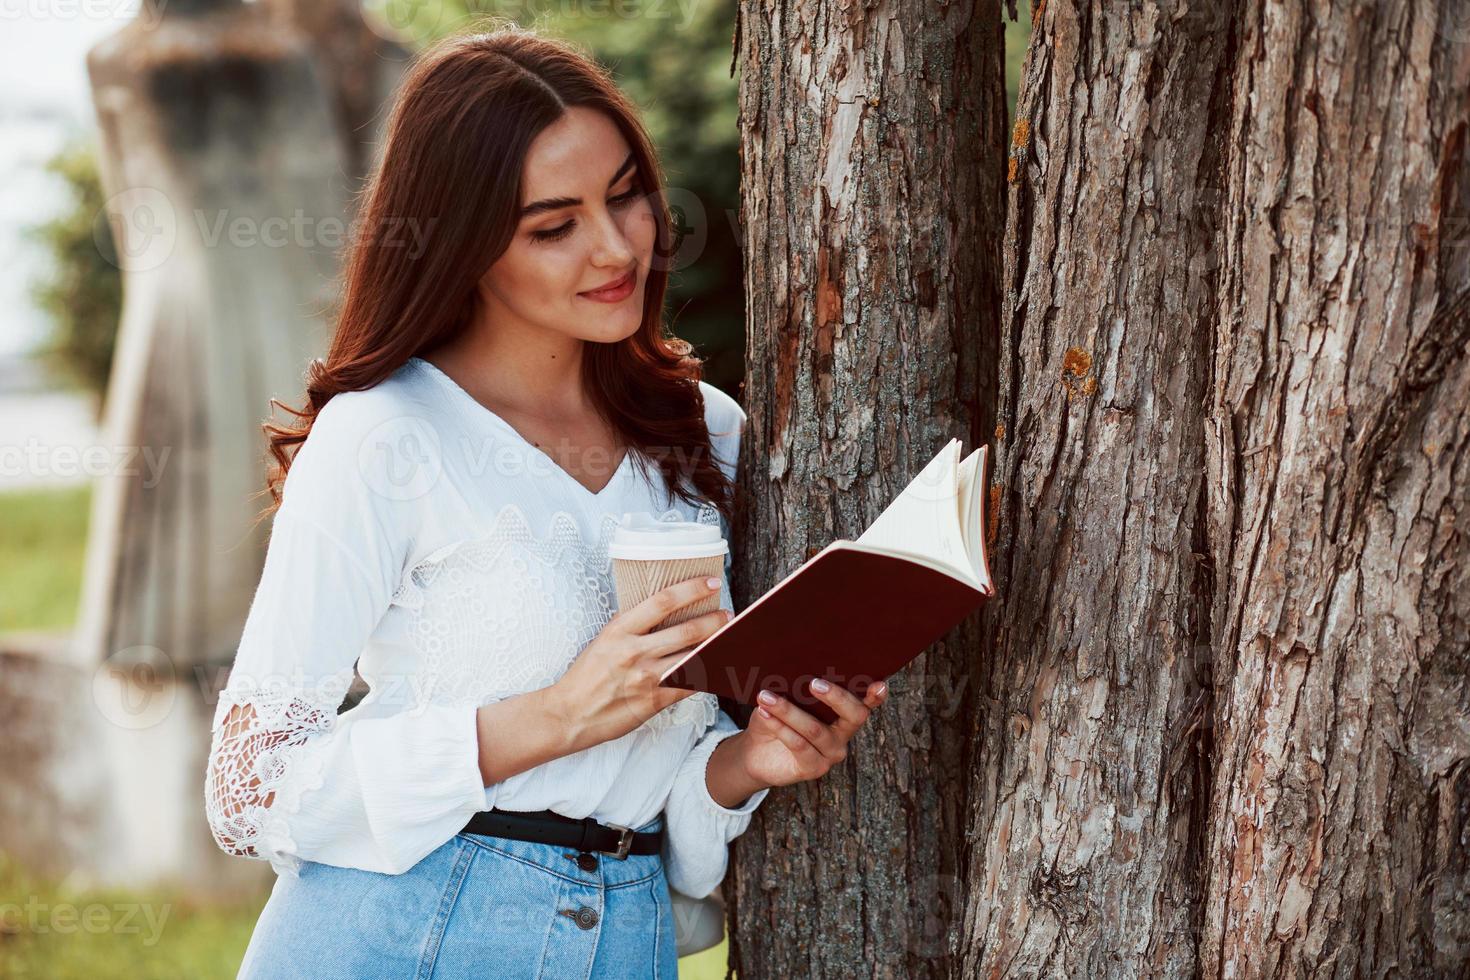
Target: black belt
[[550, 827]]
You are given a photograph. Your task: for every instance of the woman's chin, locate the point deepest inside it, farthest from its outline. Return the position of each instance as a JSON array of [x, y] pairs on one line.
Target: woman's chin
[[619, 326]]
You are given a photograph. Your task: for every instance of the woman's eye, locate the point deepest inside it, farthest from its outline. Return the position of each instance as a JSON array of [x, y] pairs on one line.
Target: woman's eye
[[552, 234]]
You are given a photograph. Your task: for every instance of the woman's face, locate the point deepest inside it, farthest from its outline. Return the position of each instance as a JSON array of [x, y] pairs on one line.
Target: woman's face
[[584, 223]]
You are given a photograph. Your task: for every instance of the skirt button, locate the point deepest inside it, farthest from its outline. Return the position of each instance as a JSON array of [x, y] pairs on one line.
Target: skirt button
[[587, 862], [586, 917]]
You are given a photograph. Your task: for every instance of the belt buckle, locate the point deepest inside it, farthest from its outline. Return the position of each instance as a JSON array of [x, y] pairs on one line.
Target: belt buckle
[[625, 841]]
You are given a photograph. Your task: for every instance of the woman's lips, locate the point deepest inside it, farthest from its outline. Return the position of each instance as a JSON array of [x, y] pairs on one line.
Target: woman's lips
[[615, 294]]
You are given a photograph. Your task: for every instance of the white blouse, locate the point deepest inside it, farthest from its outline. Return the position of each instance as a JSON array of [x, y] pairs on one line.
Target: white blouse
[[423, 539]]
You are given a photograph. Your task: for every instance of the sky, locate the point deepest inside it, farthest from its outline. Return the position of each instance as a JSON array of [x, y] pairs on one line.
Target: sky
[[44, 98]]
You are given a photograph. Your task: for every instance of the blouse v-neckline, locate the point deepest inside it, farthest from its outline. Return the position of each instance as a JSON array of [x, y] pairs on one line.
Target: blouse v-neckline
[[477, 406]]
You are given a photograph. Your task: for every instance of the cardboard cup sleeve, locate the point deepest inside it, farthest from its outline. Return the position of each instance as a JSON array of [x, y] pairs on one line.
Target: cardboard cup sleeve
[[637, 580]]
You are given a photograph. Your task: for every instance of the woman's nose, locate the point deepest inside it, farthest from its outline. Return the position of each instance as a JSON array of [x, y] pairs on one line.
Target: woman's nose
[[612, 248]]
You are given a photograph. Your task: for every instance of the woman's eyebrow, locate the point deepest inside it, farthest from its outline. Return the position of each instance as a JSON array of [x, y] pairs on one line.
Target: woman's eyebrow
[[555, 203]]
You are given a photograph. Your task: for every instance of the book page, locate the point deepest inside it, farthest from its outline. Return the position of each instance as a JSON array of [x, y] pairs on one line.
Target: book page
[[976, 478], [924, 519], [969, 477]]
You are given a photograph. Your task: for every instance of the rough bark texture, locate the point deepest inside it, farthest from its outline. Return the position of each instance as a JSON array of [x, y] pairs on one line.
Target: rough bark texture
[[1339, 460], [1226, 715], [1088, 813], [872, 159]]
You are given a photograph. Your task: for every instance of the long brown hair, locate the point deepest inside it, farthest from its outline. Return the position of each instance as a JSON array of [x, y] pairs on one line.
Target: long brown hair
[[458, 135]]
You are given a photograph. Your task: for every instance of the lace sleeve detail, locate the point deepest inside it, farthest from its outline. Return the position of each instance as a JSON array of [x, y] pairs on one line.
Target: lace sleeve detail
[[288, 779], [260, 764]]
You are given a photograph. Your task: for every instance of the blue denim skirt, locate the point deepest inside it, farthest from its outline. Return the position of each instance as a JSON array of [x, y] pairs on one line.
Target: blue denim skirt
[[475, 907]]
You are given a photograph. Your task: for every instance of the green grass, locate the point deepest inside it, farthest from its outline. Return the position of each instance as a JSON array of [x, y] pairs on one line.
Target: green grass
[[48, 930], [43, 543]]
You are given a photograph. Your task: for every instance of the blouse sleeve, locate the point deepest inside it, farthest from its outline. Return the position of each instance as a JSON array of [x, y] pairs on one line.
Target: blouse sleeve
[[288, 779], [698, 829]]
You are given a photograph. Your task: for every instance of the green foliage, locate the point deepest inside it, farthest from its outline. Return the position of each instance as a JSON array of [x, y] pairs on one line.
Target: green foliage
[[83, 293], [1018, 36], [677, 68], [42, 551]]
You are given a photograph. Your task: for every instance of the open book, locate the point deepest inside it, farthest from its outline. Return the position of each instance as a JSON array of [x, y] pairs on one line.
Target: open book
[[858, 611]]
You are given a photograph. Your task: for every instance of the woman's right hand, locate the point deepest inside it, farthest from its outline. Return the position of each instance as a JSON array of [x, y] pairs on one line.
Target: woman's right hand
[[612, 687]]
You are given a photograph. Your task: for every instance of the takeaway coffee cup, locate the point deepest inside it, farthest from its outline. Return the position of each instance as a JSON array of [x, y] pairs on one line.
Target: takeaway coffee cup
[[648, 554]]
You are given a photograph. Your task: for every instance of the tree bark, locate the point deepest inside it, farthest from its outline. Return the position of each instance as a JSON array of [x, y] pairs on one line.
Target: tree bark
[[872, 158], [1339, 456], [1223, 713], [1089, 804], [1225, 729]]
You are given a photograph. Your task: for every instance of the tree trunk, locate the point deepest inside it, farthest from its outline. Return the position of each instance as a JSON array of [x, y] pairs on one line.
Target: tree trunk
[[871, 162], [1339, 458], [1225, 716], [1089, 803]]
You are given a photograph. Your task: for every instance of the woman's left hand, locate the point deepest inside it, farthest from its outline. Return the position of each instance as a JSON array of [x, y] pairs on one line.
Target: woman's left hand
[[784, 744]]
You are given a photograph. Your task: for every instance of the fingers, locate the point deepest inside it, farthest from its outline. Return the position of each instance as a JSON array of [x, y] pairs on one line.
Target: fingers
[[831, 740], [822, 736], [875, 695], [808, 756], [852, 712], [681, 636], [656, 608]]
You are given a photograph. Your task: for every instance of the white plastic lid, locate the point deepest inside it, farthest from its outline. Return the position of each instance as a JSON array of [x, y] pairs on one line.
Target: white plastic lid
[[642, 537]]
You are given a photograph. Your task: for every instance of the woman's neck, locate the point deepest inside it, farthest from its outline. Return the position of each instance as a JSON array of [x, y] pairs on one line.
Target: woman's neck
[[536, 373]]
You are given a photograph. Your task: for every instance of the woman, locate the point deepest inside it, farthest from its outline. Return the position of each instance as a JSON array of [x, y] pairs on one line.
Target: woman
[[498, 391]]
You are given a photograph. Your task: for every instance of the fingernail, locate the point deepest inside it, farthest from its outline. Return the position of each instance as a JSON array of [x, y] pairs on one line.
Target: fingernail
[[820, 685], [881, 687], [768, 697], [713, 583], [764, 712]]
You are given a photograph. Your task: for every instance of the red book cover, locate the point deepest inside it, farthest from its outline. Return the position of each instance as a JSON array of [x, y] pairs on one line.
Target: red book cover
[[858, 611]]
